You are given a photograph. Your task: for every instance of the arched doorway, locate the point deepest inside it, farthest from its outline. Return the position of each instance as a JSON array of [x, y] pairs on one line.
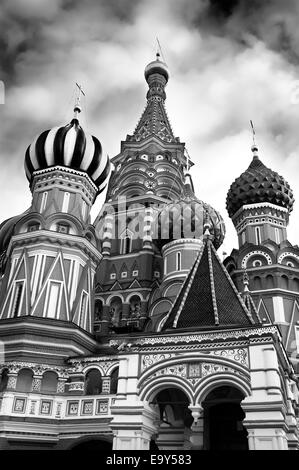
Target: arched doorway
[[223, 420], [93, 444], [175, 419]]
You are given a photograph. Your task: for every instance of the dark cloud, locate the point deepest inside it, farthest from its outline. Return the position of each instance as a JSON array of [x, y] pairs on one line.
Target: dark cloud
[[230, 61]]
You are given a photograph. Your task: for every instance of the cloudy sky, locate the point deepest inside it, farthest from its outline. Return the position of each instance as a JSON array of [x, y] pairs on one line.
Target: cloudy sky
[[230, 61]]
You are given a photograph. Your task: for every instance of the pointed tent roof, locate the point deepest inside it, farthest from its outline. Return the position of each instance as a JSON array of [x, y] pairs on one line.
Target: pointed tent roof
[[208, 298]]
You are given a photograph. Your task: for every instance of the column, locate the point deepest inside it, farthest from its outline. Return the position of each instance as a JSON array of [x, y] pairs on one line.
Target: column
[[36, 383], [12, 381], [197, 427], [107, 235], [76, 386], [147, 229], [106, 385]]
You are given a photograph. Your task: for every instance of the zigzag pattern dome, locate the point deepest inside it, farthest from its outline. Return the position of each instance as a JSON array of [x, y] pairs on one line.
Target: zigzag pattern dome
[[259, 184], [68, 146]]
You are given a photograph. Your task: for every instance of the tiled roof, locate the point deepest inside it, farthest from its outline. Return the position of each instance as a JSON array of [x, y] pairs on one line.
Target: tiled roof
[[208, 297]]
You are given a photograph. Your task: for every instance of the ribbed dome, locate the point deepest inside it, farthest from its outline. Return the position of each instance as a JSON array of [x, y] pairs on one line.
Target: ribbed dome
[[186, 218], [71, 147], [259, 184], [157, 66]]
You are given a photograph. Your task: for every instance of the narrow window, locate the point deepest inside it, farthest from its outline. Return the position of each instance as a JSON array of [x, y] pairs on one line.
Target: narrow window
[[178, 261], [243, 237], [19, 285], [258, 235], [84, 207], [44, 201], [277, 236], [126, 245], [53, 300], [165, 265], [66, 200]]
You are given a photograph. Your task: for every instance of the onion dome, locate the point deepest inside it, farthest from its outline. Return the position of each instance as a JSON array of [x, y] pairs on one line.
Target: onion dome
[[68, 146], [259, 184], [187, 218], [157, 66]]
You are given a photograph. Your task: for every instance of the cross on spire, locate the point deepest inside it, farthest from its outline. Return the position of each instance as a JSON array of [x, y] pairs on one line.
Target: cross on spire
[[77, 107], [253, 133]]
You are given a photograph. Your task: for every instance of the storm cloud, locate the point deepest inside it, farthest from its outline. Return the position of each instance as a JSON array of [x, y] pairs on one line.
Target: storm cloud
[[230, 61]]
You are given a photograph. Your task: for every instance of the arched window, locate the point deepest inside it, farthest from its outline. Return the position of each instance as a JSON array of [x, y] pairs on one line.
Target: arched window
[[284, 282], [269, 282], [98, 310], [24, 380], [66, 201], [179, 261], [3, 380], [258, 235], [257, 283], [115, 311], [277, 235], [43, 201], [135, 306], [114, 381], [49, 382], [93, 382], [126, 243]]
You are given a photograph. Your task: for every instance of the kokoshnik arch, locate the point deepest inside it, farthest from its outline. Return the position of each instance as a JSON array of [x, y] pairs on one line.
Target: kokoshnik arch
[[113, 340]]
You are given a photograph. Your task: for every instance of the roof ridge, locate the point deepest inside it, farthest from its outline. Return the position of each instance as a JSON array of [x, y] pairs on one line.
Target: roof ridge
[[233, 286], [212, 282]]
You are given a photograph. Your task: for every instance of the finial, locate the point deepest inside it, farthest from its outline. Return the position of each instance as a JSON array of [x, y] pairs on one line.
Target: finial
[[254, 147], [159, 52], [77, 107]]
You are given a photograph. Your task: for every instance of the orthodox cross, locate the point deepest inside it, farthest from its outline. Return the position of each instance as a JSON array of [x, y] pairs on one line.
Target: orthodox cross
[[77, 108], [253, 133]]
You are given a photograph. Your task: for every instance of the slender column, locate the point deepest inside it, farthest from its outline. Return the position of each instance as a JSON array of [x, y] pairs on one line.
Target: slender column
[[147, 236], [197, 427]]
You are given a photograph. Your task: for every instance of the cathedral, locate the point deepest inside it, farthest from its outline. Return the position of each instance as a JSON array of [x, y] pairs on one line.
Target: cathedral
[[130, 333]]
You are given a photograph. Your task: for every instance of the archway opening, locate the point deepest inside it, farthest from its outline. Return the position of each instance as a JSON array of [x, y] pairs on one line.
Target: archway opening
[[49, 382], [223, 420], [175, 419], [24, 380], [93, 382], [93, 444]]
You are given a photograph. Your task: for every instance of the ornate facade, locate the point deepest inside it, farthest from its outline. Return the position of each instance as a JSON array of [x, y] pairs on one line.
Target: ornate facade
[[130, 333]]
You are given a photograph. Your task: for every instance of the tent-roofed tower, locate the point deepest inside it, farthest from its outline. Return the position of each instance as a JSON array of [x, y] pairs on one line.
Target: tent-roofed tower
[[150, 183]]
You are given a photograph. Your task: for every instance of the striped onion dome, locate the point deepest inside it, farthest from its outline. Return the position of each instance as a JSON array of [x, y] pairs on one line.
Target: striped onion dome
[[68, 146]]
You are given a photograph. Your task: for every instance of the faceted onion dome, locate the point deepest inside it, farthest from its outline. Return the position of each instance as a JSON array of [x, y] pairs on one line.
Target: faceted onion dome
[[187, 218], [71, 147], [157, 66], [259, 184]]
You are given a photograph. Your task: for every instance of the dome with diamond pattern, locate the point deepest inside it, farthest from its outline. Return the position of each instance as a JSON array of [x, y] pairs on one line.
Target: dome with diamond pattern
[[259, 184]]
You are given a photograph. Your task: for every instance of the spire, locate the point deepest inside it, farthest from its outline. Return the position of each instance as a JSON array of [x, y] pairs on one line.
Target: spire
[[154, 120], [77, 107]]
